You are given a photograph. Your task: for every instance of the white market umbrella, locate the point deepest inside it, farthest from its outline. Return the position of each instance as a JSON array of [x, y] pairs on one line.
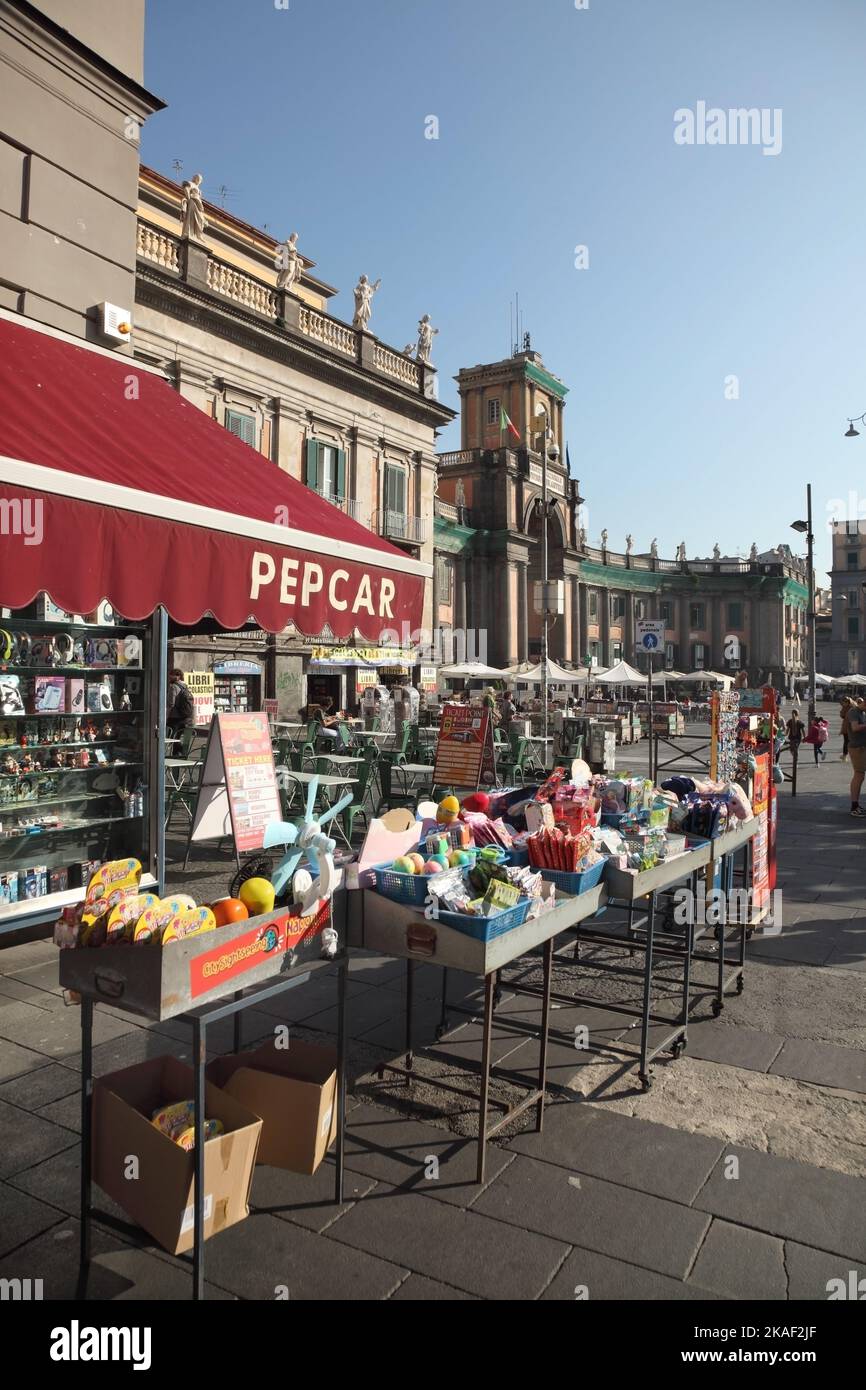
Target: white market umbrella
[[471, 670], [622, 674], [524, 674], [663, 677]]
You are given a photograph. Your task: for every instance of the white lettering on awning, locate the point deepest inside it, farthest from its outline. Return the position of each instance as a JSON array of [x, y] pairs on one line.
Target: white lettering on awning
[[341, 576], [264, 570], [386, 593], [312, 583], [364, 597]]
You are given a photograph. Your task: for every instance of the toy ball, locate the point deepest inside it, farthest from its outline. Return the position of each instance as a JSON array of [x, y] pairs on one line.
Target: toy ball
[[434, 866], [440, 859], [458, 858], [478, 801], [448, 810], [418, 861], [257, 895], [403, 865], [229, 910]]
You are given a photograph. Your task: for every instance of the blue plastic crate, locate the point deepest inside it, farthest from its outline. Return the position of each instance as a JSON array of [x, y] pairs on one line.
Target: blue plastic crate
[[518, 855], [576, 883], [403, 888], [486, 928]]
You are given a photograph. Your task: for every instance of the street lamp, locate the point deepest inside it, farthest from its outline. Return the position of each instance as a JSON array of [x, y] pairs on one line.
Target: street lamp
[[551, 452], [805, 529], [851, 433]]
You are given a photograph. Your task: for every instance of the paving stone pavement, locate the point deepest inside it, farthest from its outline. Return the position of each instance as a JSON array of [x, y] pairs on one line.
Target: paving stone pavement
[[605, 1202]]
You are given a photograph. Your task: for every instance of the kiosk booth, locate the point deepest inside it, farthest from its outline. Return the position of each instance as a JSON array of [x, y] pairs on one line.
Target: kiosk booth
[[122, 504]]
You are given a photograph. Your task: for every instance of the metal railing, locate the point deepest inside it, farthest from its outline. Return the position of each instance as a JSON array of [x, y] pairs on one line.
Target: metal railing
[[401, 527], [350, 506], [458, 458]]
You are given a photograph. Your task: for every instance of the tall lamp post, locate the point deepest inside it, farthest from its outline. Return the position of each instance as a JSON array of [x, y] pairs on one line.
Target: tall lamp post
[[551, 452], [805, 528]]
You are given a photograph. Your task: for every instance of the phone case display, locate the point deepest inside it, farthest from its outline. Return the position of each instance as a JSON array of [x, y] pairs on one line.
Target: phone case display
[[73, 753]]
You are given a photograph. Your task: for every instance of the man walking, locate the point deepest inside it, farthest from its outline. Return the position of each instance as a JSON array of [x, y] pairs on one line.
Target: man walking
[[856, 723]]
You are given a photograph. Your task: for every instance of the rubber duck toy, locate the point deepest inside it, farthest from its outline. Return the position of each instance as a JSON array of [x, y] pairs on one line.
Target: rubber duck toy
[[448, 810]]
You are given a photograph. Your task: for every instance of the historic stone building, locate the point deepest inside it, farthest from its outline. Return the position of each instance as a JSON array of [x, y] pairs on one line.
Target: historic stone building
[[841, 641], [328, 402], [721, 613]]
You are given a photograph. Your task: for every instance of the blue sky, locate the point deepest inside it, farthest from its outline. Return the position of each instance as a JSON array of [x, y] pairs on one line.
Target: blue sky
[[556, 129]]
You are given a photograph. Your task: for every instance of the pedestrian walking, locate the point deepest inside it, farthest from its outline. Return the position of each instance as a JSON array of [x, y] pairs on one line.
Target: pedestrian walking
[[179, 705], [818, 734], [843, 712], [856, 721]]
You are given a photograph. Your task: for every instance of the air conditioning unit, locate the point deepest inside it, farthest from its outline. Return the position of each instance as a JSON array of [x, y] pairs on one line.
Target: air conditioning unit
[[114, 323]]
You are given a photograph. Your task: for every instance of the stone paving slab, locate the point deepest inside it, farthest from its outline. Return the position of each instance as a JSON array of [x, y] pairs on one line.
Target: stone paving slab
[[794, 944], [741, 1264], [16, 987], [118, 1271], [27, 1140], [453, 1246], [258, 1255], [396, 1151], [604, 1278], [843, 958], [390, 1034], [57, 1183], [66, 1112], [306, 1199], [57, 1034], [735, 1047], [843, 1068], [17, 1061], [585, 1138], [597, 1215], [812, 1206], [137, 1046], [318, 994], [33, 1089], [810, 1272], [22, 1218], [417, 1289]]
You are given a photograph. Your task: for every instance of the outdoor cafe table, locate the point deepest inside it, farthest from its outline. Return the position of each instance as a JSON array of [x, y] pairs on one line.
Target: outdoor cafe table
[[378, 924]]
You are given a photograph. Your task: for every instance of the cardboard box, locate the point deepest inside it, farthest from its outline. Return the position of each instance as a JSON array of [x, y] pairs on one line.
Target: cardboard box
[[49, 694], [75, 695], [294, 1090], [160, 1198]]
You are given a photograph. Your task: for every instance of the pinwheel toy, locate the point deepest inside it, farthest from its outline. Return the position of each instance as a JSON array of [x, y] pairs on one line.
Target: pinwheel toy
[[306, 838]]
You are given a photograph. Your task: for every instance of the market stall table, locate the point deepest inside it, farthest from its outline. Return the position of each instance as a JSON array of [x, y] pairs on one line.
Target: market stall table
[[199, 1019], [378, 924], [724, 851]]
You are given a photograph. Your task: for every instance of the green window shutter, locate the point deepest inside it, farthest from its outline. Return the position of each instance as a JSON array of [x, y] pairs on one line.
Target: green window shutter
[[244, 426], [395, 490], [313, 464], [340, 486]]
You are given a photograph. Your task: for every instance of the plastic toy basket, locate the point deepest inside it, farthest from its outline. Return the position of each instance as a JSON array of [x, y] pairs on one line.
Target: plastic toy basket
[[486, 928], [616, 818], [403, 888], [518, 855], [575, 883]]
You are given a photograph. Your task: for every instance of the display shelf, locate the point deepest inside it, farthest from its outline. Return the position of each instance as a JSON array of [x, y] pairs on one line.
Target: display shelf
[[31, 801], [59, 771], [34, 747], [70, 714], [67, 897], [36, 832], [8, 669], [49, 625]]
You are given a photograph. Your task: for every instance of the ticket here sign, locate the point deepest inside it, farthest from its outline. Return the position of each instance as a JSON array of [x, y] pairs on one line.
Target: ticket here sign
[[238, 791], [464, 748]]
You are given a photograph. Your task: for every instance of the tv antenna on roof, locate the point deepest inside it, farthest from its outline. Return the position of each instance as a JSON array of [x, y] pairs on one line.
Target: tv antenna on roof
[[177, 166], [226, 193]]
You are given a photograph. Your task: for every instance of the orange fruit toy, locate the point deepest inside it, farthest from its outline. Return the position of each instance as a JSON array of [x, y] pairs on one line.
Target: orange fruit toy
[[228, 911]]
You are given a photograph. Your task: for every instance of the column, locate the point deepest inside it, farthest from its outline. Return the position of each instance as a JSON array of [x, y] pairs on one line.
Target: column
[[581, 641], [628, 645], [604, 625], [509, 612], [717, 633], [523, 611], [684, 643]]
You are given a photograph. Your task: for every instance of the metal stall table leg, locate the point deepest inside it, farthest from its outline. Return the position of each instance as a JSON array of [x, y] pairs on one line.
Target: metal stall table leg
[[341, 1079], [199, 1035], [86, 1132], [487, 1048], [643, 1072], [545, 1031]]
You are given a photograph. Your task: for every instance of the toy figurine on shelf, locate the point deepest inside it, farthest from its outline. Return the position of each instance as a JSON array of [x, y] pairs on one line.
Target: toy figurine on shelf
[[10, 766], [107, 729], [91, 731], [124, 701], [23, 739], [77, 736], [56, 758]]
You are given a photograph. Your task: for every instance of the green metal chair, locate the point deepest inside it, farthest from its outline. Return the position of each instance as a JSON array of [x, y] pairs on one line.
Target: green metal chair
[[306, 746], [186, 794], [401, 751], [361, 792]]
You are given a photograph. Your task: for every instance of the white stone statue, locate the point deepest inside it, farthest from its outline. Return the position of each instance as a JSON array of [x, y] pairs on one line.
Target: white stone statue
[[604, 539], [629, 543], [717, 554], [581, 536], [681, 552], [426, 333], [364, 292], [753, 553], [654, 548], [192, 209], [459, 494], [290, 263]]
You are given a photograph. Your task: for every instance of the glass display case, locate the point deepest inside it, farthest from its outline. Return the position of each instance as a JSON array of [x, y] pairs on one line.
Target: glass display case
[[76, 754]]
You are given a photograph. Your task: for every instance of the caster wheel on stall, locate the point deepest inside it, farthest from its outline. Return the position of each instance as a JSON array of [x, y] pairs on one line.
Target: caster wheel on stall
[[717, 1007], [646, 1080], [678, 1048], [741, 985]]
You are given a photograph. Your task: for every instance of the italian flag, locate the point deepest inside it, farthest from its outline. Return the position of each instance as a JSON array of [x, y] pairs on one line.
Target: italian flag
[[505, 423]]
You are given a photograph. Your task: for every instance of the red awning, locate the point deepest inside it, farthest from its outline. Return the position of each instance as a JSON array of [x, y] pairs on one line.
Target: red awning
[[112, 486]]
